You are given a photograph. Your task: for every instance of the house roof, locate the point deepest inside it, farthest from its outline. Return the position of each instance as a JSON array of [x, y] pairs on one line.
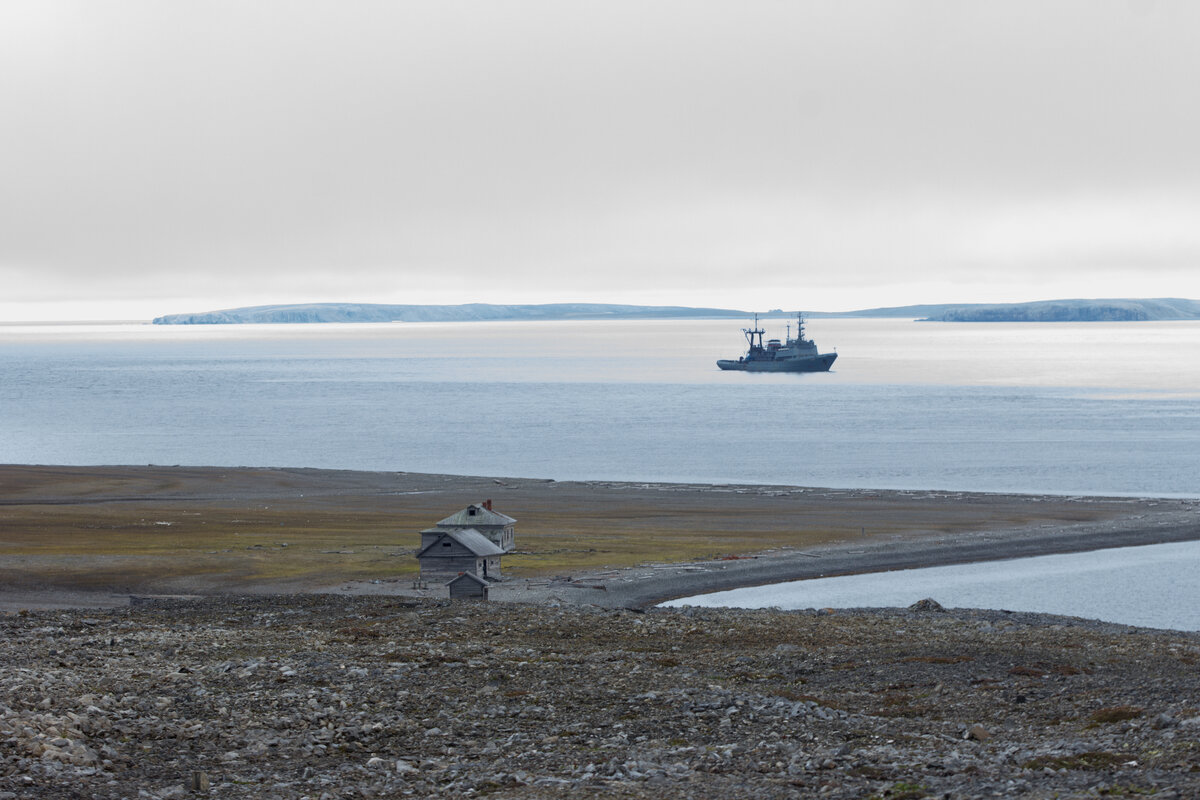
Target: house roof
[[473, 540], [482, 516], [470, 576]]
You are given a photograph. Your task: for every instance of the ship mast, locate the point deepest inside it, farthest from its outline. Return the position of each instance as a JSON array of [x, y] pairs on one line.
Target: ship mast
[[752, 332]]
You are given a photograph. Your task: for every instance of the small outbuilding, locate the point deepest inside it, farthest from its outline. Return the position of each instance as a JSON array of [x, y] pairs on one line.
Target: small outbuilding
[[468, 551], [468, 586]]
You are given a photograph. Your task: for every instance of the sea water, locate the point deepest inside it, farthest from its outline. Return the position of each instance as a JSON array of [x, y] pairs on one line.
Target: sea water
[[1154, 586], [1088, 408]]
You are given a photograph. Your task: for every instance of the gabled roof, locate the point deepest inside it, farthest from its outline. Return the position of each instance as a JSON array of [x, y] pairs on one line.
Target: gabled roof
[[471, 576], [473, 540], [482, 516]]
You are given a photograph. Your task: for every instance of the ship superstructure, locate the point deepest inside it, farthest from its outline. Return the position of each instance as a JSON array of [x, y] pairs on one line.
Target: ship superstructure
[[797, 354]]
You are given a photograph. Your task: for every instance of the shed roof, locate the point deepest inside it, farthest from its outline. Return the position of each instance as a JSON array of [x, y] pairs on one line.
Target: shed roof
[[470, 576], [471, 539], [482, 516]]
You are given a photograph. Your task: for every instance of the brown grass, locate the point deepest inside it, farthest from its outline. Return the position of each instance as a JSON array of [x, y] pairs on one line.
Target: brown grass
[[153, 527], [1107, 716]]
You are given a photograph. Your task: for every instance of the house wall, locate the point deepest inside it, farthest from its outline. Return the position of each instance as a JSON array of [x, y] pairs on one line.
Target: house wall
[[433, 567], [501, 537]]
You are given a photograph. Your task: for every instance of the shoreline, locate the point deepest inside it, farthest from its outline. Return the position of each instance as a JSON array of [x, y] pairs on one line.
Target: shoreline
[[968, 549], [579, 542], [648, 586]]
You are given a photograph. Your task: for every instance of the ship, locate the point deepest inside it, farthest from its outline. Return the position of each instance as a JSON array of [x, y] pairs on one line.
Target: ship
[[791, 355]]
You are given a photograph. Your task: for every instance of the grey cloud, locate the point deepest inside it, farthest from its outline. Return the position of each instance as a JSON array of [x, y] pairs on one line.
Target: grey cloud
[[397, 147]]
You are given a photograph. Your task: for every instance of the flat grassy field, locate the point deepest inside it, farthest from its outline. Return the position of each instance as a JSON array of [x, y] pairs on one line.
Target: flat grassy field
[[147, 529]]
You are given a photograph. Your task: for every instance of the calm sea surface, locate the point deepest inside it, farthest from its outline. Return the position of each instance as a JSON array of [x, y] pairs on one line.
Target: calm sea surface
[[1155, 586], [1100, 408]]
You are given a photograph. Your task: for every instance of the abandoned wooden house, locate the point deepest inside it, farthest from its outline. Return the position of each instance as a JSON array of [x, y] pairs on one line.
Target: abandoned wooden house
[[496, 527], [455, 551], [468, 586]]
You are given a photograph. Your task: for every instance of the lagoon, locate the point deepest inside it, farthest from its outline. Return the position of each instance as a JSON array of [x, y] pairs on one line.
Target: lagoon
[[1153, 586]]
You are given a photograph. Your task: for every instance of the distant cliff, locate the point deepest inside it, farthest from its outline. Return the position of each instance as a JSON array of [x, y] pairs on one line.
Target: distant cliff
[[370, 312], [1072, 311]]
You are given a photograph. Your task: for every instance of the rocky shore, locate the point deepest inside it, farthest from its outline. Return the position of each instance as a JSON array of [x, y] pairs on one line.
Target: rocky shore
[[328, 697], [650, 585]]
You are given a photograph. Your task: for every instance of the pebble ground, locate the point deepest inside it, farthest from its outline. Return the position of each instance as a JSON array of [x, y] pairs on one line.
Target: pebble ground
[[338, 697]]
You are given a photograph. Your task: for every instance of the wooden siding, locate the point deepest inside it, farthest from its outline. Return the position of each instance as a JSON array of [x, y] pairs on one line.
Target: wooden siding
[[448, 567], [464, 588]]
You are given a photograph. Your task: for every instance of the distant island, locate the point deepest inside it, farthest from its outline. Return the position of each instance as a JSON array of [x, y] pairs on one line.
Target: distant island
[[1072, 311], [1106, 310], [469, 312], [1041, 311]]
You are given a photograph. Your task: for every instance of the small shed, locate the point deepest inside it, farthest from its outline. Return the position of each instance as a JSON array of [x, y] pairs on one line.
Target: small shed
[[468, 586], [452, 552]]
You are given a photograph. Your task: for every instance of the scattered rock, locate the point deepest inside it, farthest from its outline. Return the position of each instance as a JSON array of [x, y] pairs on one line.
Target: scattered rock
[[977, 732], [333, 697], [928, 604]]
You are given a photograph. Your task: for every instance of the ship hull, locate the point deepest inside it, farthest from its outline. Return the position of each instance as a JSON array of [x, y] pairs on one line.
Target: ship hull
[[819, 363]]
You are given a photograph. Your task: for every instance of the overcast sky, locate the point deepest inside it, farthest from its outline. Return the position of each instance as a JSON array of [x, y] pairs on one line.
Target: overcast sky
[[160, 157]]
